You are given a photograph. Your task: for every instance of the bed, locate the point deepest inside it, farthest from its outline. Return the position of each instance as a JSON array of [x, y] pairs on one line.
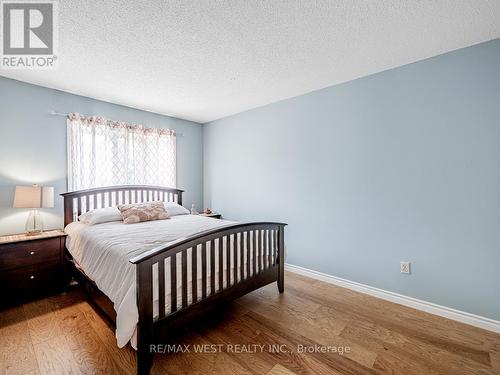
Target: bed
[[128, 270]]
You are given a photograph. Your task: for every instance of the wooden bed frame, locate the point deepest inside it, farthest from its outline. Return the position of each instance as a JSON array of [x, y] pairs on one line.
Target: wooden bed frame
[[264, 240]]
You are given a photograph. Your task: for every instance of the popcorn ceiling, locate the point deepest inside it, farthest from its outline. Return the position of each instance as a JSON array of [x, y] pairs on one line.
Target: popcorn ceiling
[[203, 60]]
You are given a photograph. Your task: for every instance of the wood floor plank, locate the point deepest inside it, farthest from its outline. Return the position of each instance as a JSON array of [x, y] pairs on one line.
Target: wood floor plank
[[16, 350], [254, 328], [37, 308], [339, 363], [55, 357], [62, 300], [318, 367], [495, 361], [126, 356], [310, 320], [44, 327], [42, 321], [21, 362], [12, 316], [454, 336], [387, 364], [221, 333], [411, 350], [280, 370], [92, 356], [231, 333], [217, 363], [71, 319], [17, 355]]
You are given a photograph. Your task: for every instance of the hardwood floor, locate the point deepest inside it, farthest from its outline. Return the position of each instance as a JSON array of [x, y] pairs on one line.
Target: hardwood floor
[[64, 335]]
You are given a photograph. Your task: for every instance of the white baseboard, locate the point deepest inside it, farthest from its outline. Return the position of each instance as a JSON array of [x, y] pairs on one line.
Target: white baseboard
[[432, 308]]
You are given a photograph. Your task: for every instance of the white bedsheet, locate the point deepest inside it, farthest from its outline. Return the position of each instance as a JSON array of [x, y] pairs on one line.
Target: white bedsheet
[[103, 252]]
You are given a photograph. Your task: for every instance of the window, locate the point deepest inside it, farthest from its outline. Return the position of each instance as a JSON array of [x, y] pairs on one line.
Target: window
[[102, 152]]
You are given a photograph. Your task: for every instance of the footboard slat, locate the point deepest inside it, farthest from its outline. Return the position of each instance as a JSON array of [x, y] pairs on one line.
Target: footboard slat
[[270, 255], [271, 247], [254, 252], [203, 270], [241, 268], [212, 267], [257, 252], [248, 254], [184, 279], [194, 272], [228, 261], [263, 249], [276, 247], [173, 283], [264, 253], [221, 267], [161, 289], [234, 255]]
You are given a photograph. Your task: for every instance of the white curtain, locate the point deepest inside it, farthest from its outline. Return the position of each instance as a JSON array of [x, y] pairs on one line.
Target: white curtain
[[102, 152]]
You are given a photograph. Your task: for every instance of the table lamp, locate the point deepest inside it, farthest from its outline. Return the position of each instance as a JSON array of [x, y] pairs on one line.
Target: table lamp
[[34, 197]]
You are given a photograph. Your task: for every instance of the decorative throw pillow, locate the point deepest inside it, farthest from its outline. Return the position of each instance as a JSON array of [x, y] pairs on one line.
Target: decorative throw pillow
[[175, 209], [101, 215], [139, 212]]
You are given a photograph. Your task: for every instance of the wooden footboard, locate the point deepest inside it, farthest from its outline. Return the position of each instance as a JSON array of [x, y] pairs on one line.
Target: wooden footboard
[[208, 268], [228, 262]]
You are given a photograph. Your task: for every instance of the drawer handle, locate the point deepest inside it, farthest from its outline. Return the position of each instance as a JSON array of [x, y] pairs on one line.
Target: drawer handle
[[32, 253], [32, 277]]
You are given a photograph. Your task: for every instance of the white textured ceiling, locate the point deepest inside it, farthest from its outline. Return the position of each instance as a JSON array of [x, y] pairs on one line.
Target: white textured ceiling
[[203, 60]]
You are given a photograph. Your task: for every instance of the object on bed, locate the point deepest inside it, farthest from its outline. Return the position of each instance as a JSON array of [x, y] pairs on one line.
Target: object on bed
[[175, 209], [231, 260], [213, 215], [101, 215], [141, 212]]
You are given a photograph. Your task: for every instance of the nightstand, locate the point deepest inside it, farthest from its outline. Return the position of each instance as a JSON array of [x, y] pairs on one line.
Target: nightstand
[[30, 265], [212, 215]]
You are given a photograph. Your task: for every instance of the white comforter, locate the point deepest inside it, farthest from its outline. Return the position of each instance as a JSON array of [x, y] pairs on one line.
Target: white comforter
[[103, 252]]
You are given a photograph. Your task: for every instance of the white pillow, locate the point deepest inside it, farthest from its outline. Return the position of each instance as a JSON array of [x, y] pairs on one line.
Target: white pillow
[[101, 215], [174, 209]]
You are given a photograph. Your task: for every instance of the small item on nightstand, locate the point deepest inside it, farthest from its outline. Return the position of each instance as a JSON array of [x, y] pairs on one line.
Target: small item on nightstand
[[212, 214], [193, 210]]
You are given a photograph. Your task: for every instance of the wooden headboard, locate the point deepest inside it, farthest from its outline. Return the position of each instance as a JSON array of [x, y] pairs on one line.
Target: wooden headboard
[[81, 201]]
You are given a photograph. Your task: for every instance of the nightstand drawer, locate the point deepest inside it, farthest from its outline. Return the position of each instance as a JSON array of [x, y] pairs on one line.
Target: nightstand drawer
[[31, 277], [29, 253]]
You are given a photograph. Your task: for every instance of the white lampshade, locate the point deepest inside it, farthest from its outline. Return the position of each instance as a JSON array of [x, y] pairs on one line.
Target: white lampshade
[[28, 197], [34, 197], [48, 197]]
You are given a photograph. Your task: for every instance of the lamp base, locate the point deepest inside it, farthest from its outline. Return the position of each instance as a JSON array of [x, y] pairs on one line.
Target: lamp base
[[34, 224]]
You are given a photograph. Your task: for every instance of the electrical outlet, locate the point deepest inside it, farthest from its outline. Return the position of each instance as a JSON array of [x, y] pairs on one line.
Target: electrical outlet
[[405, 267]]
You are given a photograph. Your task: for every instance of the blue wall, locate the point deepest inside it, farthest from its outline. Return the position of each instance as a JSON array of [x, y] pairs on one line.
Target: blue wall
[[33, 146], [400, 165]]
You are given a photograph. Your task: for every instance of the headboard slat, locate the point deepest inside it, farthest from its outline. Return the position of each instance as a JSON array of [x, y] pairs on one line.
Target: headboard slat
[[76, 202]]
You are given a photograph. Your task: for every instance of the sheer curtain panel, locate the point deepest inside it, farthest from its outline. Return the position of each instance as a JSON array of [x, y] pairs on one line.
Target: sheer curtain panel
[[102, 152]]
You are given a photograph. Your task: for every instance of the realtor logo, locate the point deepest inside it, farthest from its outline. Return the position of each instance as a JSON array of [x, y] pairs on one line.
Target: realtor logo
[[28, 34]]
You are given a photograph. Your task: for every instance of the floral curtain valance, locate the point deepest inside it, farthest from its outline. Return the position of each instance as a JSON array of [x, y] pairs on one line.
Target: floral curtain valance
[[102, 152]]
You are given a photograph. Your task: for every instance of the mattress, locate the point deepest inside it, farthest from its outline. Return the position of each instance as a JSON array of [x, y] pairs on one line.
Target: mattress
[[103, 252]]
